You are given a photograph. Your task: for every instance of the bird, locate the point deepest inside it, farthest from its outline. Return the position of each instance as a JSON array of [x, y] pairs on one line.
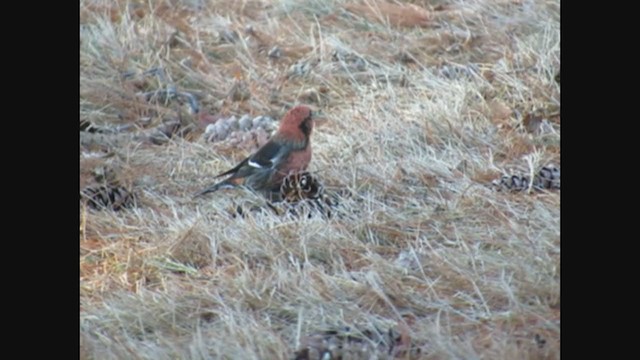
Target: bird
[[286, 152]]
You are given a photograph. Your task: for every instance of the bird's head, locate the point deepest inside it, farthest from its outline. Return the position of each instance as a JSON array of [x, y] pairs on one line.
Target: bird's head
[[297, 124]]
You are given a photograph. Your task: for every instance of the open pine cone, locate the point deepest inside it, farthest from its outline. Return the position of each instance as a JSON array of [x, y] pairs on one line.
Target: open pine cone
[[547, 178], [301, 186], [300, 194], [110, 196], [347, 343]]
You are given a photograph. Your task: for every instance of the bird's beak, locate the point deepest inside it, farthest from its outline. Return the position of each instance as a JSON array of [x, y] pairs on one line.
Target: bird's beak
[[318, 118]]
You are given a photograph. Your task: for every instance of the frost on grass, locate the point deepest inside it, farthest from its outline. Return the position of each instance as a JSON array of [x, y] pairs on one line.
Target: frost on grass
[[425, 105]]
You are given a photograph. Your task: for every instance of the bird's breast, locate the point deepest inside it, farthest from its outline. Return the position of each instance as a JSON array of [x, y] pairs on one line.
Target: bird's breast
[[298, 160]]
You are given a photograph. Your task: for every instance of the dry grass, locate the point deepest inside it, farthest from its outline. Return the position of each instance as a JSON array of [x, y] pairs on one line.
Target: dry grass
[[423, 102]]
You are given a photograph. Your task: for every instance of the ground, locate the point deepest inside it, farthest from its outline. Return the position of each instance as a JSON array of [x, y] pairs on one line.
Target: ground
[[422, 105]]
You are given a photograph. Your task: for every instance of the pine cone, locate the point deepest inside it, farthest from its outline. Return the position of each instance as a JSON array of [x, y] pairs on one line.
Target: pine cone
[[300, 194], [346, 343], [301, 186], [547, 178], [113, 197]]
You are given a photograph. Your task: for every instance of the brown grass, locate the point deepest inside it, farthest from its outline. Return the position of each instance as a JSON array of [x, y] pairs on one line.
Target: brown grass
[[424, 103]]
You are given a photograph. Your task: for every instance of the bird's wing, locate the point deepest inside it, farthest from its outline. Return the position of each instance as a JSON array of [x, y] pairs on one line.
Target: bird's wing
[[264, 159], [268, 156], [235, 169]]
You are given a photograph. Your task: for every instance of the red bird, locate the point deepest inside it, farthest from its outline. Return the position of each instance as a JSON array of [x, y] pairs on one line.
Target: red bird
[[289, 150]]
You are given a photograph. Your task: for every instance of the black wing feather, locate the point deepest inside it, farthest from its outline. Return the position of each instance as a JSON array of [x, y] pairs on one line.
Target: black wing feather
[[265, 157]]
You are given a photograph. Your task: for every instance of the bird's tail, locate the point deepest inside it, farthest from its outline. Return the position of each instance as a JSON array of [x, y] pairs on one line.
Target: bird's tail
[[226, 184]]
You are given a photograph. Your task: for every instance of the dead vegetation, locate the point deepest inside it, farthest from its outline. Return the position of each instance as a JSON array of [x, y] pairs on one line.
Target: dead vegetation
[[425, 104]]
